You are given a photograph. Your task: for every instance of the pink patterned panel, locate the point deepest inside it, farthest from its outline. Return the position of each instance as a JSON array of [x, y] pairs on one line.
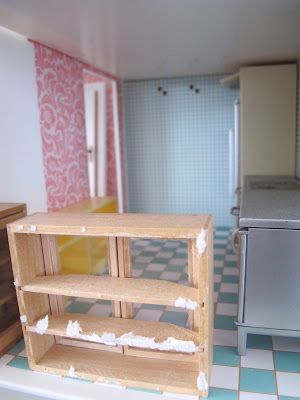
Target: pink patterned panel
[[61, 104]]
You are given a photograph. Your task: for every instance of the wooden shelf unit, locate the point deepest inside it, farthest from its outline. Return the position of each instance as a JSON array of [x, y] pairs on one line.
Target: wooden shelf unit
[[86, 353]]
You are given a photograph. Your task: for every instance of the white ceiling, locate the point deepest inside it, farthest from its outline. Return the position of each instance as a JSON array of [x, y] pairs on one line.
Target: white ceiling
[[142, 39]]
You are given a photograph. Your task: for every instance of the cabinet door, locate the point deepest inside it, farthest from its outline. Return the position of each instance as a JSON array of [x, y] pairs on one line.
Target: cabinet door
[[268, 119], [272, 294]]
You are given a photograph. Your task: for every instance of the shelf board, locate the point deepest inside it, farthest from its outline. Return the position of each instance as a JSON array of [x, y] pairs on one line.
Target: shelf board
[[121, 369], [161, 331], [149, 291], [164, 226]]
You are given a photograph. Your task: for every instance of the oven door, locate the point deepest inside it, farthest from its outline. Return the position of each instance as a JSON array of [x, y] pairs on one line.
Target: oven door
[[272, 279]]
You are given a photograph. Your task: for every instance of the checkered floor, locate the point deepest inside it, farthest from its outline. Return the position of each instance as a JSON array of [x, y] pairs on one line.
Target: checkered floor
[[271, 368]]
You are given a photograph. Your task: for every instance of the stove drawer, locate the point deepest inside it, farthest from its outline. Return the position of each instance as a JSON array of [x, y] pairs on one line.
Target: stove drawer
[[272, 279]]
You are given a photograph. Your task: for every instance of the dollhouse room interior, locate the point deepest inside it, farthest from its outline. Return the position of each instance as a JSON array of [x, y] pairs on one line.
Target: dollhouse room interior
[[150, 199]]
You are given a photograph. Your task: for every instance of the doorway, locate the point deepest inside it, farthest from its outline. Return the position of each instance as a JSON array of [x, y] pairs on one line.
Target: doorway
[[103, 136]]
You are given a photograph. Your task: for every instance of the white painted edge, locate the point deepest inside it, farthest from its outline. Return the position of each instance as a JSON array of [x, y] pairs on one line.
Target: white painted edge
[[200, 242], [111, 381], [231, 162], [129, 339], [202, 382], [23, 318], [102, 138], [48, 374], [33, 228], [71, 372], [189, 304], [51, 387], [110, 385], [16, 283], [117, 147], [20, 227], [73, 329], [180, 396], [42, 325]]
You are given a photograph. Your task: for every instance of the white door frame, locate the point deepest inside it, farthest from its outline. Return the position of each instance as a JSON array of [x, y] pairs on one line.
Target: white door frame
[[96, 135], [116, 135]]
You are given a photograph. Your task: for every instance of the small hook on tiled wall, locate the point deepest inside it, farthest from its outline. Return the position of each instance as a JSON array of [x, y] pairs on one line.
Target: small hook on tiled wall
[[161, 89], [165, 92], [196, 90]]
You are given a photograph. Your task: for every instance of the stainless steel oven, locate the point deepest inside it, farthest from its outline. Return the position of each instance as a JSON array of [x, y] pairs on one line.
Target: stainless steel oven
[[269, 283]]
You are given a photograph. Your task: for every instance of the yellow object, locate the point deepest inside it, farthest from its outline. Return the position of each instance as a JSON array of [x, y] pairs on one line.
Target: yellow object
[[85, 255]]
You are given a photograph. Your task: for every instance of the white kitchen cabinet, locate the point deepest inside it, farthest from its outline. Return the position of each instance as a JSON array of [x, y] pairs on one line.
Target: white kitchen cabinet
[[268, 119]]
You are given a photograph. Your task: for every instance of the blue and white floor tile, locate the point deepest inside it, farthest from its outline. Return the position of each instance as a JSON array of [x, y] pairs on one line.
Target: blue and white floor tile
[[270, 370]]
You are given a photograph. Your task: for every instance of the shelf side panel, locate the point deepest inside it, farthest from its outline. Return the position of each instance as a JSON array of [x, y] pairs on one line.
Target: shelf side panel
[[202, 259], [193, 277], [33, 305], [26, 256], [28, 263]]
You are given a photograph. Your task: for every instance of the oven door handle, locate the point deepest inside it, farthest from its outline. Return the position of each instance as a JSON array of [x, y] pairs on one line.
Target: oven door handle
[[232, 241], [235, 211]]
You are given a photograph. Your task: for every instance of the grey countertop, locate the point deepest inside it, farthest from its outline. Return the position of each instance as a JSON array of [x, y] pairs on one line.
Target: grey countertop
[[269, 208]]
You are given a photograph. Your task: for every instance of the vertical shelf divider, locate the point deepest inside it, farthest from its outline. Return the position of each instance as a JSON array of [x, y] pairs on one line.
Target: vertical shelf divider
[[52, 267], [112, 250], [125, 271]]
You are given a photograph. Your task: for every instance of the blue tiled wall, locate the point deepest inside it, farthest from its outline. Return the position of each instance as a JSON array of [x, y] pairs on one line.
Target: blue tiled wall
[[177, 146]]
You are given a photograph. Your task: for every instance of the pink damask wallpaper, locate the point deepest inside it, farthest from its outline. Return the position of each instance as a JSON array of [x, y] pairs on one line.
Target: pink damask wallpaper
[[61, 104]]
